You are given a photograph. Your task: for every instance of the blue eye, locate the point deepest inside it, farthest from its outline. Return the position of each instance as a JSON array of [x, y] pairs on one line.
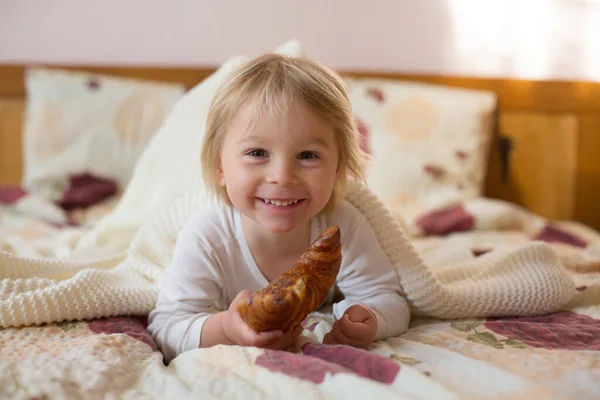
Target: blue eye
[[257, 153], [307, 155]]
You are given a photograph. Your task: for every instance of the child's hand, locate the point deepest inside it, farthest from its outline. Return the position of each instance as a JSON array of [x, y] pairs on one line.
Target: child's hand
[[356, 328], [238, 332]]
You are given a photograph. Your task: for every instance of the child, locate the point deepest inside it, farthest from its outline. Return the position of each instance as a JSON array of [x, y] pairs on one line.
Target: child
[[280, 143]]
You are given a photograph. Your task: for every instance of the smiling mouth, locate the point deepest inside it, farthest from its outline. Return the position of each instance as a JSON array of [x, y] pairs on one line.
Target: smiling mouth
[[281, 203]]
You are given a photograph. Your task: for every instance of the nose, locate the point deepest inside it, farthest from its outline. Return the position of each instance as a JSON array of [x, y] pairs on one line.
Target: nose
[[282, 173]]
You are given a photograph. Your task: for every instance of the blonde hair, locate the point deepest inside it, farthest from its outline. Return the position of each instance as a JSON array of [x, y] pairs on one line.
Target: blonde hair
[[275, 82]]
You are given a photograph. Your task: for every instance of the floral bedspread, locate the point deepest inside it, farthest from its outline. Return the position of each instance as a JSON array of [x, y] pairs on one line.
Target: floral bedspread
[[554, 356], [548, 357]]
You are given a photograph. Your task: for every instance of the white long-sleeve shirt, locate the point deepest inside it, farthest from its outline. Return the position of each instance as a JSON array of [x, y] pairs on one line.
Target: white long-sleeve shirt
[[212, 263]]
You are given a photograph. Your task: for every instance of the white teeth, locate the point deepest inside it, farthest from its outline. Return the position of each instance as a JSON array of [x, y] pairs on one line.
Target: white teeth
[[280, 203]]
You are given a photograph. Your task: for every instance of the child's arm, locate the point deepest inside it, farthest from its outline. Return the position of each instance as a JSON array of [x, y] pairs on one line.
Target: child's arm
[[190, 287], [369, 279], [213, 332]]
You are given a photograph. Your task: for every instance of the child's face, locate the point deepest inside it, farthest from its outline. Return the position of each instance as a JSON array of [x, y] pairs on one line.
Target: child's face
[[281, 171]]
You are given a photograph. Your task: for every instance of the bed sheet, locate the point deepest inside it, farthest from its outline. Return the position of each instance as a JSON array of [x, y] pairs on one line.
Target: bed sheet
[[554, 356]]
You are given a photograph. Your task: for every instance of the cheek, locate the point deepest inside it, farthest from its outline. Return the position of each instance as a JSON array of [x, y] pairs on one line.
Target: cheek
[[238, 174], [325, 179], [229, 170]]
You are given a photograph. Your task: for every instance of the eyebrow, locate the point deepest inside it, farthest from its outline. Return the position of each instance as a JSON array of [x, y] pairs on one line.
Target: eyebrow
[[250, 138], [253, 138]]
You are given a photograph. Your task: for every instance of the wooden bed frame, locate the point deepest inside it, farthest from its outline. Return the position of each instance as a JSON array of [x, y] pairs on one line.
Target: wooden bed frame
[[551, 127]]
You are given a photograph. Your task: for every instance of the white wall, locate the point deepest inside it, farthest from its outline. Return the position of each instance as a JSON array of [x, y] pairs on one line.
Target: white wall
[[525, 39]]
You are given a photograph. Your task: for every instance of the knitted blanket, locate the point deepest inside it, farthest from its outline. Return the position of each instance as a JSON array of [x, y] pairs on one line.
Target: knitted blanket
[[115, 269]]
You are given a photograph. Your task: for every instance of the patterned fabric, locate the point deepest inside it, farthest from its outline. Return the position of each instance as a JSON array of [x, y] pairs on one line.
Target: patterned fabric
[[79, 122], [427, 143], [479, 225], [548, 357], [16, 199], [33, 226], [86, 190]]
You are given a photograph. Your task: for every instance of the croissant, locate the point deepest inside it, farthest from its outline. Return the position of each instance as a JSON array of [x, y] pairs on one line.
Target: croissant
[[288, 299]]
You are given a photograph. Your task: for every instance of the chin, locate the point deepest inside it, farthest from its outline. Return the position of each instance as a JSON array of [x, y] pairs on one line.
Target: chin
[[282, 225], [279, 228]]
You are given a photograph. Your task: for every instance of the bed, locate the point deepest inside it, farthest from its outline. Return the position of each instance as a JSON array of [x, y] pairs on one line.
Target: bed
[[536, 179]]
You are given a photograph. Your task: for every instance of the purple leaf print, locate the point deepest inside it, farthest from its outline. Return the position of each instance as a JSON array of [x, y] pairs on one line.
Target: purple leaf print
[[299, 366], [368, 365], [376, 94], [132, 327], [551, 233], [461, 155], [480, 252], [10, 194], [435, 171], [558, 331], [93, 84], [447, 220], [85, 190], [319, 360]]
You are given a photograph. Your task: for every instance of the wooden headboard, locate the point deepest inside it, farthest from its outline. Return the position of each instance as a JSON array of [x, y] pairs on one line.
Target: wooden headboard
[[552, 131]]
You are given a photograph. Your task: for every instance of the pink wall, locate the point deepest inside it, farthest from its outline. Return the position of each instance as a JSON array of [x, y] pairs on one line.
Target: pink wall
[[534, 39]]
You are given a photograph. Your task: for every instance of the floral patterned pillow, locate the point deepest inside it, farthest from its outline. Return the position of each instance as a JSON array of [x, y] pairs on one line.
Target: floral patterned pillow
[[428, 143], [80, 122]]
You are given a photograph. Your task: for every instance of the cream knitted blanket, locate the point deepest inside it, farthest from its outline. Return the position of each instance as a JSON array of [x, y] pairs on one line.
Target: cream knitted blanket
[[116, 268]]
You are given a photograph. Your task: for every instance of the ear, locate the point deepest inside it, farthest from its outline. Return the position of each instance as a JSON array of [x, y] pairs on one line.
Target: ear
[[220, 176], [338, 170]]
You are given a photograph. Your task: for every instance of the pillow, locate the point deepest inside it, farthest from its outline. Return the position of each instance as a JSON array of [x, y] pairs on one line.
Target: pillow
[[428, 143], [80, 122], [20, 201]]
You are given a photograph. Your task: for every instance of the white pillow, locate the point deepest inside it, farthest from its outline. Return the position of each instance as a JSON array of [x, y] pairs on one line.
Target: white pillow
[[428, 143], [80, 122]]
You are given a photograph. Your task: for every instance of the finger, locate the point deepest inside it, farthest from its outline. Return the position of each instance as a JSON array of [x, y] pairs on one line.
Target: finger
[[297, 332], [336, 324], [339, 337], [240, 296], [293, 332], [327, 339], [355, 330], [286, 340], [274, 339], [358, 313], [290, 336], [336, 327], [260, 339]]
